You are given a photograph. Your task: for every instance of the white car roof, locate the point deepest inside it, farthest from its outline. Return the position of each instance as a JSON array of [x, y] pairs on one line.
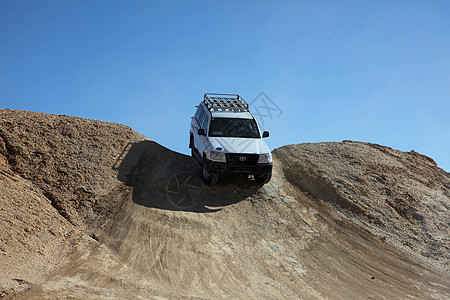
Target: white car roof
[[232, 114]]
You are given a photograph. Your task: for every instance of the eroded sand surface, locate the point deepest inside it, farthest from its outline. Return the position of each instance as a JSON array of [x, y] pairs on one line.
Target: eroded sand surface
[[94, 210]]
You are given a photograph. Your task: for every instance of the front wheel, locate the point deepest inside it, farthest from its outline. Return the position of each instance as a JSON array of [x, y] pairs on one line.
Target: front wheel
[[263, 179], [208, 176]]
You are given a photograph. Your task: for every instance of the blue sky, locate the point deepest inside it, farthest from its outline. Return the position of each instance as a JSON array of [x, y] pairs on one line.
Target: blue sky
[[374, 71]]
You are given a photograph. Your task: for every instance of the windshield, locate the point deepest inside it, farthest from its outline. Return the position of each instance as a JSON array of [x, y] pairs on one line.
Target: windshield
[[227, 127]]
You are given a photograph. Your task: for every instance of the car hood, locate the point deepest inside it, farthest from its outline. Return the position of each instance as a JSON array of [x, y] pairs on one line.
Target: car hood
[[238, 145]]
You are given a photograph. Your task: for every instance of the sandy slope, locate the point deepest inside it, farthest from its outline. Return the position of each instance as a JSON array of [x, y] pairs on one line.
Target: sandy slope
[[93, 210]]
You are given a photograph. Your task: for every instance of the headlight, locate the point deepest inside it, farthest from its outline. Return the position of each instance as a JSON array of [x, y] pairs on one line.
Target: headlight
[[217, 156], [265, 158]]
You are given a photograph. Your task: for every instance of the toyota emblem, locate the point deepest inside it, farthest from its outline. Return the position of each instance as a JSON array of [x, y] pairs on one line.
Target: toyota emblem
[[242, 158]]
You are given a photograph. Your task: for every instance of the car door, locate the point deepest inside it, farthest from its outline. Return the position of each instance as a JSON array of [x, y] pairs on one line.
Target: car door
[[195, 123], [203, 139], [199, 140]]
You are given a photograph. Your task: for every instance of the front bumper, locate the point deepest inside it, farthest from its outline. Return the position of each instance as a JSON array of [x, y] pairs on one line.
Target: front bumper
[[237, 168]]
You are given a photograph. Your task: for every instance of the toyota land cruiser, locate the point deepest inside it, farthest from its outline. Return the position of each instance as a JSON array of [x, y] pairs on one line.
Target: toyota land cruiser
[[225, 139]]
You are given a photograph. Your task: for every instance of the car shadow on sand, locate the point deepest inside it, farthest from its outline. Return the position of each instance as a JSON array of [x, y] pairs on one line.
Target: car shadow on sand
[[164, 179]]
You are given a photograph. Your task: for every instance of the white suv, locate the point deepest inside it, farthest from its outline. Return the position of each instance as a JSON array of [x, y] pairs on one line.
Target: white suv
[[225, 138]]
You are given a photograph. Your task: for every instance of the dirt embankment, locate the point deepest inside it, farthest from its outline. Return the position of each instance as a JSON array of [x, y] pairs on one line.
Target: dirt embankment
[[55, 174], [94, 210], [401, 198]]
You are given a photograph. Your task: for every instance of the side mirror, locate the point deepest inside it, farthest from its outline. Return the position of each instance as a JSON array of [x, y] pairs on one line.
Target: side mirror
[[265, 134], [201, 131]]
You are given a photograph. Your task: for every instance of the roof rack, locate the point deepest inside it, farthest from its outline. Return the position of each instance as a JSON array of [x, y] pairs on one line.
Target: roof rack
[[225, 102]]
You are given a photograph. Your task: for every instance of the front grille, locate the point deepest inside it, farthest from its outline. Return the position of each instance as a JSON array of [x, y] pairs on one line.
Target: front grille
[[242, 158]]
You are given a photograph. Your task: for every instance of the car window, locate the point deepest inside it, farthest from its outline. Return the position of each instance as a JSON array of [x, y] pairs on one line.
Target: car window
[[205, 122], [228, 127], [201, 118], [198, 113]]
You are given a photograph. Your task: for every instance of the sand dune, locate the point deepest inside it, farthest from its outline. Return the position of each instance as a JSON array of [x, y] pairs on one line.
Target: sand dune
[[94, 210]]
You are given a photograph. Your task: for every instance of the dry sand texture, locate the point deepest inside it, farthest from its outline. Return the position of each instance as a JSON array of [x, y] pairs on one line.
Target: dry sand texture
[[94, 210]]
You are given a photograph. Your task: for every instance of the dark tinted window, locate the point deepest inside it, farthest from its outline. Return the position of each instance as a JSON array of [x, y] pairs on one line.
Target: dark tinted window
[[226, 127], [197, 114], [201, 118], [205, 122]]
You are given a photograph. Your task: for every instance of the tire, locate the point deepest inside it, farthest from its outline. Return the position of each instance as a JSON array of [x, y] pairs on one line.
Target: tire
[[263, 179], [209, 177]]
